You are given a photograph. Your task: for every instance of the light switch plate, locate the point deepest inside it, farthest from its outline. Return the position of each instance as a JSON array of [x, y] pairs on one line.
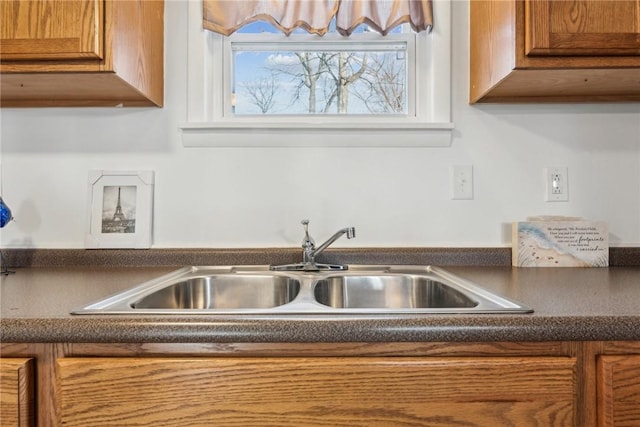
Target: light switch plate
[[461, 182]]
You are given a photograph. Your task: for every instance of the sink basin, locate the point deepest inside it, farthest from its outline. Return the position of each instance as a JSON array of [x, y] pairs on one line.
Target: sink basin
[[389, 291], [248, 290], [223, 291]]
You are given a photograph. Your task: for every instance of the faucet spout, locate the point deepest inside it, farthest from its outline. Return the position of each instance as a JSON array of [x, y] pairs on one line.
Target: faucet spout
[[309, 256]]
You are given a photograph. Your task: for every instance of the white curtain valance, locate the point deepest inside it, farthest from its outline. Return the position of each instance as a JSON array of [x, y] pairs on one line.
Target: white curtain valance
[[314, 16]]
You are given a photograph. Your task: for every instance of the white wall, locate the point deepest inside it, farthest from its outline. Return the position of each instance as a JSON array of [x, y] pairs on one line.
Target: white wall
[[212, 197]]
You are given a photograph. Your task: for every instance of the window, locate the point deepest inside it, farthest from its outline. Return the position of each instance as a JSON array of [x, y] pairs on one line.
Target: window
[[304, 74], [258, 79]]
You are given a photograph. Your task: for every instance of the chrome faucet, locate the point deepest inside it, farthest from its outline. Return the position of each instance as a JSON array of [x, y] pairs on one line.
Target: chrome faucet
[[310, 252], [308, 244]]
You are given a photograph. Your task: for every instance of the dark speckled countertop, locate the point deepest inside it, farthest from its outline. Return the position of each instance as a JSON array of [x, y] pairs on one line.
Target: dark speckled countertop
[[569, 303]]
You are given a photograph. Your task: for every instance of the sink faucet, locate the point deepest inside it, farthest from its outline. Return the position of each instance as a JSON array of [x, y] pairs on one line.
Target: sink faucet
[[308, 244], [310, 251]]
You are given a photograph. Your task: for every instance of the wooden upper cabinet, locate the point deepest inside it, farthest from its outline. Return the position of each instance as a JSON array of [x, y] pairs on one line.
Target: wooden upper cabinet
[[51, 29], [554, 51], [81, 53], [582, 27]]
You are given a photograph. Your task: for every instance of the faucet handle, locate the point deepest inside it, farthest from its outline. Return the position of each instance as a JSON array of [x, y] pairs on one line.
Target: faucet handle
[[307, 241]]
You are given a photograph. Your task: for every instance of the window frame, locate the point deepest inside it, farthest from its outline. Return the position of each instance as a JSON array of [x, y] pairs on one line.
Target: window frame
[[209, 125]]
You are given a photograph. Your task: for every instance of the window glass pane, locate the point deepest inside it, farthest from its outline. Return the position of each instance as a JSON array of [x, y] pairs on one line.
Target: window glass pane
[[306, 81], [300, 78]]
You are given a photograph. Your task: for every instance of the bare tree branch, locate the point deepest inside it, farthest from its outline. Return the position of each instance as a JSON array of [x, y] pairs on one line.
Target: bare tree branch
[[263, 92]]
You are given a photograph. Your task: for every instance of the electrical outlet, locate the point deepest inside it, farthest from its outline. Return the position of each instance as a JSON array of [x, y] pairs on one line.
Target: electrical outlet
[[557, 184], [461, 177]]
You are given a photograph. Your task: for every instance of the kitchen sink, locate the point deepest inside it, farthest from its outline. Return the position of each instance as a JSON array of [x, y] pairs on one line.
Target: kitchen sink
[[361, 289]]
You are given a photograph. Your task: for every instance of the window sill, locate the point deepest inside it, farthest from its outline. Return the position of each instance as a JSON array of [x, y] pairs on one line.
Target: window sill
[[316, 135]]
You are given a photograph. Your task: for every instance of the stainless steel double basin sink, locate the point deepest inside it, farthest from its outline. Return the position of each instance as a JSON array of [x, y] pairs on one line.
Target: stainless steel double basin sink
[[362, 289]]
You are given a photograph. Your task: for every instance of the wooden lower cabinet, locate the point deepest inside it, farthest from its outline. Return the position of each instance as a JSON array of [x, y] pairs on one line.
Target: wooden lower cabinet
[[579, 384], [16, 392], [317, 391], [619, 390]]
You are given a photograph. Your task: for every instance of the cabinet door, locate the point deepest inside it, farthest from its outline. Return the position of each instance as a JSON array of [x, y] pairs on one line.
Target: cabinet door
[[317, 391], [16, 392], [582, 27], [619, 391], [51, 29]]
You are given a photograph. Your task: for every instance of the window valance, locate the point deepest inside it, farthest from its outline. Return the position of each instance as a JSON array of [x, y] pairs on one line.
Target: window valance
[[314, 16]]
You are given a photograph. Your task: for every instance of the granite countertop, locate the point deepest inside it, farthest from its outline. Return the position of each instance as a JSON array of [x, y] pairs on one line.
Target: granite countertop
[[570, 304]]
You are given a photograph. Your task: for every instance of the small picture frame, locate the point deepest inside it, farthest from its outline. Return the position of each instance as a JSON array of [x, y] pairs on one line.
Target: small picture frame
[[120, 209]]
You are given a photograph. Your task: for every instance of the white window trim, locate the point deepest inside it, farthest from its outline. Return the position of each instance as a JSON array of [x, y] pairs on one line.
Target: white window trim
[[206, 125]]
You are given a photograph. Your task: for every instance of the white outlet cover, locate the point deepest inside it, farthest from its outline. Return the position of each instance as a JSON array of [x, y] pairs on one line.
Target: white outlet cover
[[556, 184]]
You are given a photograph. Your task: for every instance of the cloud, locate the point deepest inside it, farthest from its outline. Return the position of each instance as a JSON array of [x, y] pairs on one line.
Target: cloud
[[280, 60]]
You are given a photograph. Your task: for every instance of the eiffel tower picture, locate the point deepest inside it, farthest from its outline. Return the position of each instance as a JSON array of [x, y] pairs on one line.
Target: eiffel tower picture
[[119, 210], [118, 215]]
